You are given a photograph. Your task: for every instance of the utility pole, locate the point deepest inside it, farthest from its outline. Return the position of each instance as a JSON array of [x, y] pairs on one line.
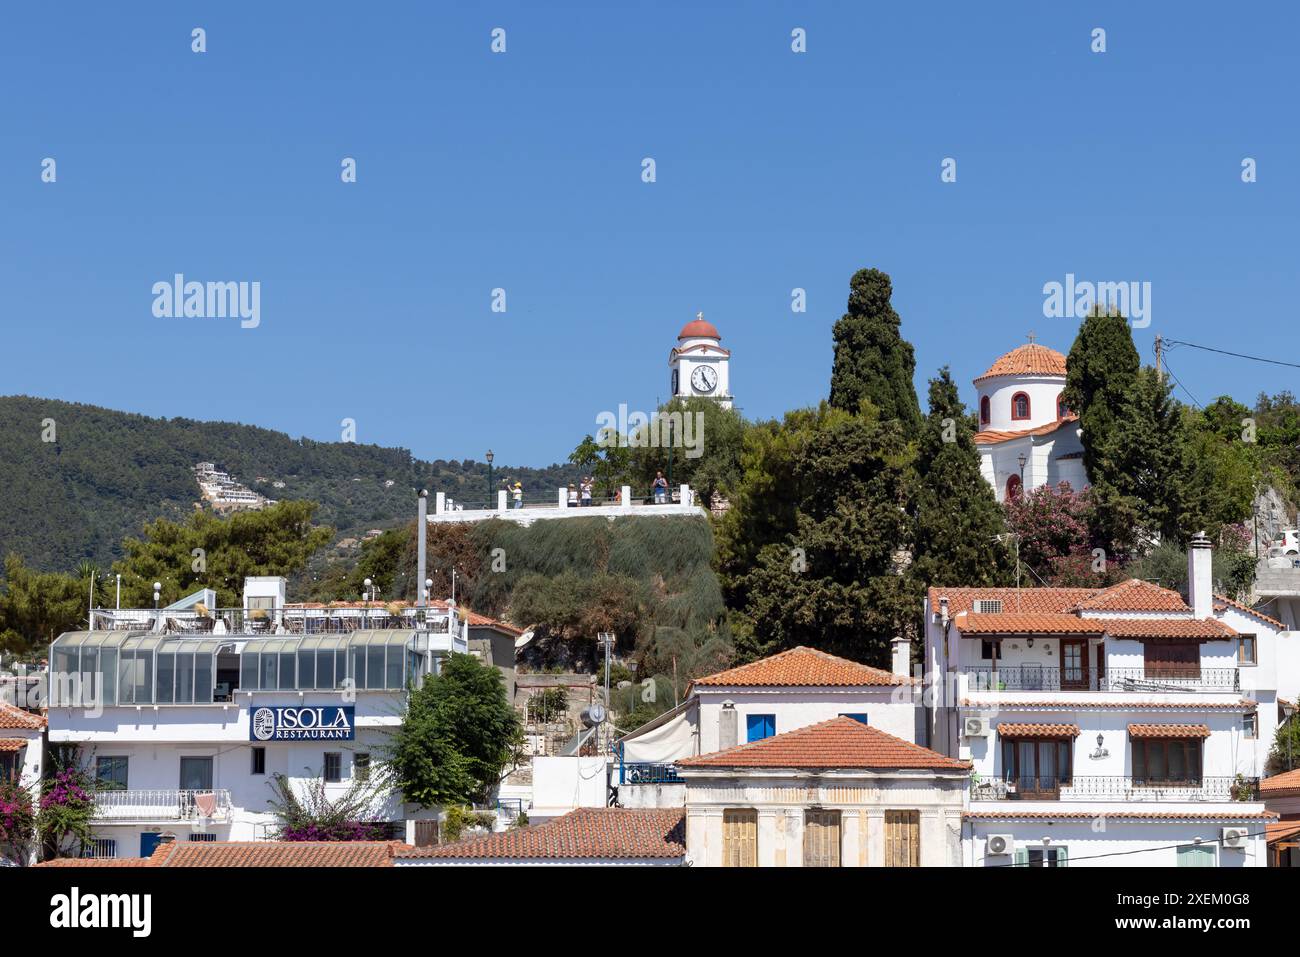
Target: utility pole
[[1160, 355]]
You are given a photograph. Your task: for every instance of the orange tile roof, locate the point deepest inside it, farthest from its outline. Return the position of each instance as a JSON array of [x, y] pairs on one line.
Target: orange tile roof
[[1086, 705], [969, 623], [1012, 730], [11, 717], [1029, 359], [1276, 831], [1168, 731], [589, 833], [13, 744], [1134, 594], [1117, 816], [802, 667], [1223, 601], [1206, 629], [997, 436], [1281, 785], [1047, 601], [838, 743], [250, 854]]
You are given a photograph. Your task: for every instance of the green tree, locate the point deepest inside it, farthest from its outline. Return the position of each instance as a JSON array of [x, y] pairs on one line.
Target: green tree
[[37, 607], [834, 579], [1100, 372], [712, 466], [608, 459], [458, 734], [958, 520], [872, 360], [1138, 482], [219, 553]]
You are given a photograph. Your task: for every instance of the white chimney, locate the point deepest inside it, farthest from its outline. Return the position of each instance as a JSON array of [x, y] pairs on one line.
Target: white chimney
[[1200, 576], [902, 649], [728, 729]]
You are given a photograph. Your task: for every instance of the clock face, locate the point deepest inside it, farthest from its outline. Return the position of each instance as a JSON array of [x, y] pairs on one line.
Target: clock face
[[704, 379]]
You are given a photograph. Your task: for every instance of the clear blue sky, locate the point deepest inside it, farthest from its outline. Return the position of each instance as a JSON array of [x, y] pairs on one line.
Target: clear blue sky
[[522, 171]]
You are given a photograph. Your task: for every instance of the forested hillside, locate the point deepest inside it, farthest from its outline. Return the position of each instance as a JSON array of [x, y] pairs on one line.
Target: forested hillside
[[107, 473]]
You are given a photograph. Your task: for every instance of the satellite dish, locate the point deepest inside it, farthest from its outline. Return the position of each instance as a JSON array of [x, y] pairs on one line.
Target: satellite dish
[[594, 715], [523, 639]]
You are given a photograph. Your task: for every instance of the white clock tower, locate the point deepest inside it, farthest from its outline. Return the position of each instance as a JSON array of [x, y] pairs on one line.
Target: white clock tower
[[699, 364]]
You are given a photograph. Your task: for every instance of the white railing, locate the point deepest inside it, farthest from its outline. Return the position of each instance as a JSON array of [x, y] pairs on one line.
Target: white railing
[[162, 804]]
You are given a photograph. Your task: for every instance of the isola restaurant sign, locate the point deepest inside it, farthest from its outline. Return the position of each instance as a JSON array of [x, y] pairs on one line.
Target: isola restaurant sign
[[317, 723]]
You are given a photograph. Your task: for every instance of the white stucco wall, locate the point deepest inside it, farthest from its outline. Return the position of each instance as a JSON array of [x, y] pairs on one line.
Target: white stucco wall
[[782, 800], [1113, 843], [892, 710], [1042, 391]]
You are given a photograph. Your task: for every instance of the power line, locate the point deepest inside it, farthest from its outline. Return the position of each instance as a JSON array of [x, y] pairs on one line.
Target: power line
[[1238, 355], [1181, 386]]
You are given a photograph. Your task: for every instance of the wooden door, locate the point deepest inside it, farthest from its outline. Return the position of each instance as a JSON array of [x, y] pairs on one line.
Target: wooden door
[[902, 838], [1074, 664], [740, 837], [821, 838]]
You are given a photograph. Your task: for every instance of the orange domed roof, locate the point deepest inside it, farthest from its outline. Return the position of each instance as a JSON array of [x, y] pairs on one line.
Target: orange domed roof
[[697, 328], [1029, 359]]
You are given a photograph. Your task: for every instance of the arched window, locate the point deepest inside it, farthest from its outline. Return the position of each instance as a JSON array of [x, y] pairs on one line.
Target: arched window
[[1013, 488], [1061, 409], [1020, 405], [984, 411]]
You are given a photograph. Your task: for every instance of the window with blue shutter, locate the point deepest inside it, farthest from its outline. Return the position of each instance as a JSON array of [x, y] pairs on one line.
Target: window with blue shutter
[[760, 726], [861, 718]]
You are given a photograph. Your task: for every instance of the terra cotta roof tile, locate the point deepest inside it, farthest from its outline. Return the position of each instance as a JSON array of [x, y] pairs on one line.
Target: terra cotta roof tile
[[802, 667], [838, 743], [1053, 731], [11, 717], [1168, 731], [1029, 359], [589, 833]]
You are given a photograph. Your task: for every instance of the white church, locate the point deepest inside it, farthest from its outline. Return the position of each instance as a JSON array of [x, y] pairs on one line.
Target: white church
[[1027, 436], [699, 364]]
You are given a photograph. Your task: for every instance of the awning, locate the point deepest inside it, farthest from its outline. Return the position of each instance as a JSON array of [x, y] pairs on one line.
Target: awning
[[12, 744], [1168, 731], [1053, 731]]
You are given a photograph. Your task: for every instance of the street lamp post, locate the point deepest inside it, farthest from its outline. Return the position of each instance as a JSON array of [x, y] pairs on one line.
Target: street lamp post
[[1022, 460], [490, 456]]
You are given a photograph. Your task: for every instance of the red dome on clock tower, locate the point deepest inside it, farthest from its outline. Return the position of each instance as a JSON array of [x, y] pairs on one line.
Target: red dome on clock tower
[[698, 328]]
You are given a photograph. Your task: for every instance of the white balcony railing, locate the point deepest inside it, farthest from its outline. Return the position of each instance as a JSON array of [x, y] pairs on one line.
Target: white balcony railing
[[162, 804]]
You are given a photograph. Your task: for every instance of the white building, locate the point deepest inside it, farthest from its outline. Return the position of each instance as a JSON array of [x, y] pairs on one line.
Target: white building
[[1115, 726], [700, 366], [1027, 436], [184, 718], [839, 793], [785, 692], [22, 755]]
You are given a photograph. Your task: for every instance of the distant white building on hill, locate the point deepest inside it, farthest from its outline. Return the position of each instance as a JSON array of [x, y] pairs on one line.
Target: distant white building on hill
[[1027, 436]]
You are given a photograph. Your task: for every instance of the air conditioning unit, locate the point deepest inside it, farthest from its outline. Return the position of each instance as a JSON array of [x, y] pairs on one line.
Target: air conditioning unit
[[999, 844], [975, 728], [1234, 836]]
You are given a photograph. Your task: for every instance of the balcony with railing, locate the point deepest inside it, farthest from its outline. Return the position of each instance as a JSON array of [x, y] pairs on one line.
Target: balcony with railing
[[161, 804], [1080, 787], [1034, 677], [290, 620]]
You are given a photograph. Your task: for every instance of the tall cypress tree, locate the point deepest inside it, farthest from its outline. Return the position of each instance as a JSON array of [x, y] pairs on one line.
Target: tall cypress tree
[[958, 519], [872, 360], [1100, 373]]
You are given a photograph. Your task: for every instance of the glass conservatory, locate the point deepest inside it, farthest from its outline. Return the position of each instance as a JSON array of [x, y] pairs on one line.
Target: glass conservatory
[[134, 667]]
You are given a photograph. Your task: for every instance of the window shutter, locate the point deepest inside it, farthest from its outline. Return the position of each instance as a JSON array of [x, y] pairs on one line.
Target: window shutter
[[1062, 858], [1022, 857]]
